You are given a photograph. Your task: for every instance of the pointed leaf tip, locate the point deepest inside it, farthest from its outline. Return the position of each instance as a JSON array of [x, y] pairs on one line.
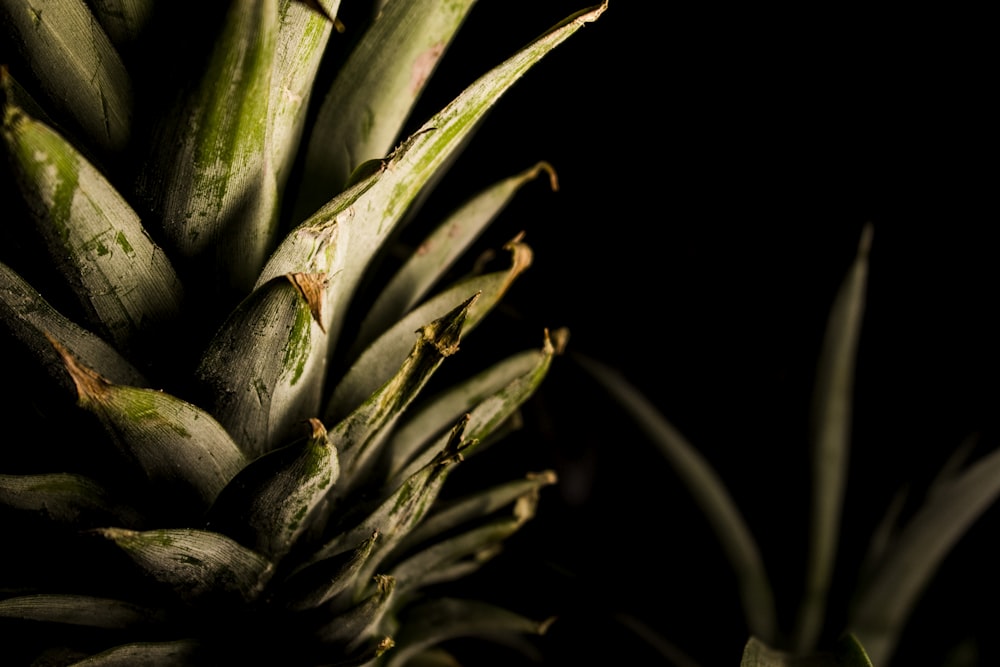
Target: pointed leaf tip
[[89, 384], [312, 287]]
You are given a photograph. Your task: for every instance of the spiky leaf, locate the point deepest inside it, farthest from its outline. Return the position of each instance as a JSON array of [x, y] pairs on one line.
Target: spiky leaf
[[196, 566], [122, 279]]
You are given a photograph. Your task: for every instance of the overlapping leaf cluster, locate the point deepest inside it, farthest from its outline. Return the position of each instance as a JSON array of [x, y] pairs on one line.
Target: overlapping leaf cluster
[[218, 449]]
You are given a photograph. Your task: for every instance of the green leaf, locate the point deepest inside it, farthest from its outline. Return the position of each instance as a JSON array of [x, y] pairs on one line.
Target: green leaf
[[847, 652], [364, 110], [381, 359], [429, 623], [210, 181], [261, 375], [32, 321], [885, 602], [81, 610], [357, 626], [267, 506], [121, 278], [492, 412], [175, 444], [322, 581], [303, 33], [708, 491], [830, 441], [400, 512], [459, 554], [73, 65], [63, 498], [199, 567], [364, 429], [150, 654], [439, 251], [445, 517], [513, 378]]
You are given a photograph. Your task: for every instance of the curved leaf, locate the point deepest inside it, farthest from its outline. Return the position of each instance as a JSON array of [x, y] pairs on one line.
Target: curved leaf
[[267, 506], [63, 498], [74, 65], [33, 322], [151, 654], [436, 620], [401, 511], [830, 440], [322, 581], [262, 373], [359, 625], [82, 610], [361, 431], [446, 517], [381, 359], [884, 603], [303, 32], [364, 110], [510, 377], [440, 250], [210, 181], [176, 444], [707, 490], [122, 279], [197, 566], [491, 413]]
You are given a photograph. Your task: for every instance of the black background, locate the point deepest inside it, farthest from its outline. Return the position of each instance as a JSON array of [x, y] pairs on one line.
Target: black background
[[716, 169]]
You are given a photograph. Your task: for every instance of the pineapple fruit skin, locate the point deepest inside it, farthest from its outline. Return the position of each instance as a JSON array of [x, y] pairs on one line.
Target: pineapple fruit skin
[[239, 475]]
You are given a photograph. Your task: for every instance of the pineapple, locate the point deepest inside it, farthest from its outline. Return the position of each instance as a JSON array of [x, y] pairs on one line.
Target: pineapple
[[223, 315]]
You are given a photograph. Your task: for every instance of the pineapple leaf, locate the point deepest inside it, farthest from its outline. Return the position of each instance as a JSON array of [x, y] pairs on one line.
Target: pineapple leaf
[[432, 564], [64, 498], [32, 321], [365, 108], [830, 439], [267, 506], [429, 623], [884, 603], [150, 654], [492, 412], [124, 282], [262, 373], [440, 250], [123, 20], [303, 33], [355, 627], [360, 432], [174, 443], [446, 517], [708, 491], [197, 566], [208, 181], [401, 511], [322, 581], [82, 610], [74, 66], [376, 364], [512, 377], [847, 652]]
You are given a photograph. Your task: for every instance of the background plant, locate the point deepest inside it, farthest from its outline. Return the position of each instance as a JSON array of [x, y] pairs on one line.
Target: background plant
[[903, 556]]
